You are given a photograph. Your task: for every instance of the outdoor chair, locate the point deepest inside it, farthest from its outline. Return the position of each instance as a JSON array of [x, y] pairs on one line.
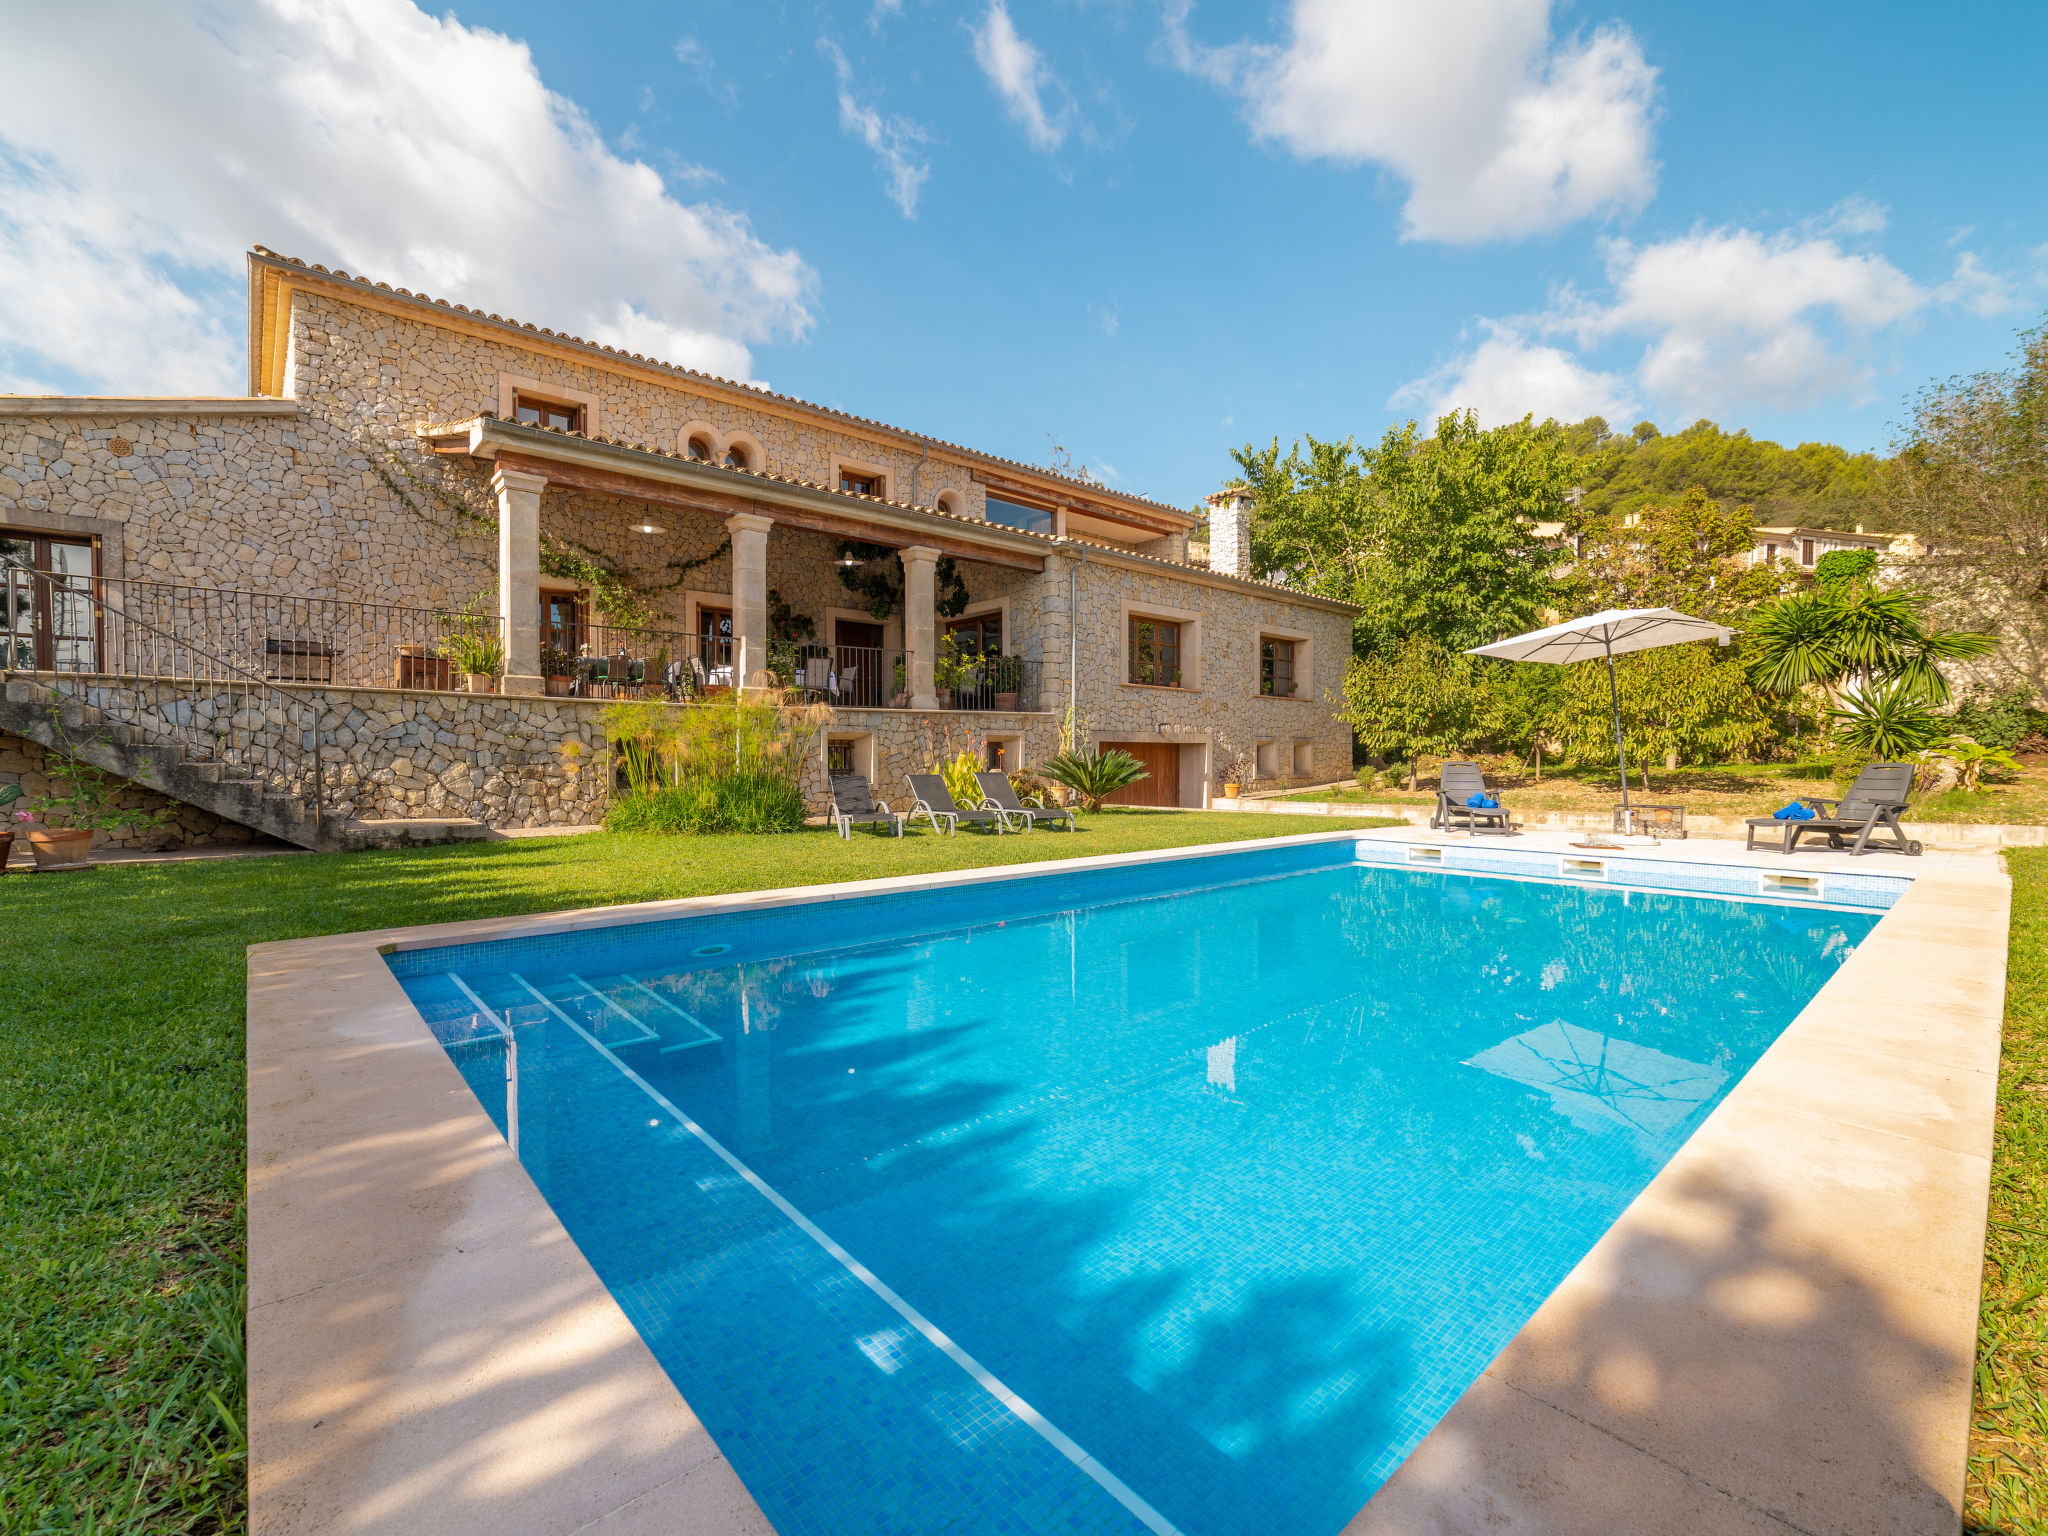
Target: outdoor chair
[[931, 798], [854, 805], [1458, 783], [1877, 799], [1001, 796]]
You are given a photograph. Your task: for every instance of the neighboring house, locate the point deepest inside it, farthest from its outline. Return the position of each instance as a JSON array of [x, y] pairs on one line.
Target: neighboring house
[[399, 457], [1805, 546]]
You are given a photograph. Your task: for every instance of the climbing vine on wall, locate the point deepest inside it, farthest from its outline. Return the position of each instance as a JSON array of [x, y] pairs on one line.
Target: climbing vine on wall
[[408, 483], [785, 623], [877, 580]]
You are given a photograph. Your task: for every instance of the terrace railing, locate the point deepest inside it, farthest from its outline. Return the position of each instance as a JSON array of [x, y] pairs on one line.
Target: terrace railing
[[176, 682]]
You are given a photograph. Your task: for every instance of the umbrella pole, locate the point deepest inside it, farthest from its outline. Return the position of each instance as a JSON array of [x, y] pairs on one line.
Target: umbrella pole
[[1628, 820]]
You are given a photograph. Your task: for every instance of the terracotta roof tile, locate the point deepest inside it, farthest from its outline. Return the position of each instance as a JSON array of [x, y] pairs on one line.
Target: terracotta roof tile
[[1089, 486]]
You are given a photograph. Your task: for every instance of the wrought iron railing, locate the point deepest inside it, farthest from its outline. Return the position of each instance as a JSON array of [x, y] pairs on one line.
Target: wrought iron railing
[[129, 628], [174, 686]]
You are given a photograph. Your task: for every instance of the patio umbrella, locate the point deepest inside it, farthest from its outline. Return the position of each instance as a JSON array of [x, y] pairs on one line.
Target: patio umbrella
[[1608, 633]]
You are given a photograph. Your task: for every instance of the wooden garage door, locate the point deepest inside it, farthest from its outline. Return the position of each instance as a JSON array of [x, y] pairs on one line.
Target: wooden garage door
[[1161, 762]]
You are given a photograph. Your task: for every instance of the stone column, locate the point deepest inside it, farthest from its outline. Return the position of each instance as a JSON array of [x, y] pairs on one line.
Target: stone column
[[519, 576], [749, 533], [920, 623], [1230, 531]]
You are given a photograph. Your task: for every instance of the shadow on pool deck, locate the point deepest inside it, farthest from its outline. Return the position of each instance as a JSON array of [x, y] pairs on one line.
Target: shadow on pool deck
[[1713, 1372]]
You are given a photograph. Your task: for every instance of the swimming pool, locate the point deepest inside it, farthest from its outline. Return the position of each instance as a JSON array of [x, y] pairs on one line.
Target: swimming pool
[[1182, 1195]]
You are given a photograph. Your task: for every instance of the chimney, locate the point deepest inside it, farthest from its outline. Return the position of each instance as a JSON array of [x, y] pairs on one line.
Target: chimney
[[1230, 530]]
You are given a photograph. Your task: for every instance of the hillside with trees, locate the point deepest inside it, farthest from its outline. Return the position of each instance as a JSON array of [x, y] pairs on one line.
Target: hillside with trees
[[1816, 485]]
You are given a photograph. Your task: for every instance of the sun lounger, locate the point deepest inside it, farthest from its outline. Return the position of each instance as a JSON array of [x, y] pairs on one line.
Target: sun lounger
[[1877, 799], [853, 805], [1458, 783], [1001, 796], [931, 798]]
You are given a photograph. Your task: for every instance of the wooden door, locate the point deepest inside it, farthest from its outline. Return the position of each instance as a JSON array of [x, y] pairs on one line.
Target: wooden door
[[1161, 762]]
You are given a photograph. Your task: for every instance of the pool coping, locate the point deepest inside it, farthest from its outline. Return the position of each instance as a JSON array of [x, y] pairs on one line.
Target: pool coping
[[423, 1334]]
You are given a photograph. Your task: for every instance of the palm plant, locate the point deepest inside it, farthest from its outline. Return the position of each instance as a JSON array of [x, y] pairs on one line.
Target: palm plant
[[1861, 636], [1094, 776], [1890, 720]]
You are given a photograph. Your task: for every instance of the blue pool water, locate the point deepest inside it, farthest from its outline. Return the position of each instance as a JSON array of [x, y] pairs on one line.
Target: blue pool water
[[1178, 1196]]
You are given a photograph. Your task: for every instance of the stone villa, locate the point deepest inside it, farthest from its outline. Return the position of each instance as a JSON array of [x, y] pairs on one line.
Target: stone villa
[[280, 574]]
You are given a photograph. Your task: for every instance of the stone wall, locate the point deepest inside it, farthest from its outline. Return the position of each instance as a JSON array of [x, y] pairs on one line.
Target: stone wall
[[27, 763], [900, 742], [1225, 710]]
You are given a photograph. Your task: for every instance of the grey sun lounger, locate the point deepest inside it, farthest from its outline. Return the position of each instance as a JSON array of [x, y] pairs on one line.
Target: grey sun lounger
[[931, 798], [854, 805], [1457, 783], [1001, 796], [1877, 799]]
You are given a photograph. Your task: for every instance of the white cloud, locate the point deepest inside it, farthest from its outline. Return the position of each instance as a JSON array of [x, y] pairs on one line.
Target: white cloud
[[881, 11], [1732, 317], [894, 140], [369, 136], [1727, 321], [1854, 215], [1977, 289], [1019, 73], [1499, 129], [1508, 376]]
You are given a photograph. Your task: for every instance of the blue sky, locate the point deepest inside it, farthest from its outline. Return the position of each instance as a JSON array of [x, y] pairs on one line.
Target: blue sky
[[1155, 231]]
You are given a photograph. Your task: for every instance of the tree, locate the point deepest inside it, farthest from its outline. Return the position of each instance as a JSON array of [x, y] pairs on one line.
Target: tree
[[1675, 555], [1411, 699], [1856, 636], [1690, 703], [1430, 536], [1816, 484], [1972, 482]]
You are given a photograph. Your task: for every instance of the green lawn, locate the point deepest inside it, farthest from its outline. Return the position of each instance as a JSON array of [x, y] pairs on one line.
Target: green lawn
[[121, 1116], [121, 1137], [2008, 1488]]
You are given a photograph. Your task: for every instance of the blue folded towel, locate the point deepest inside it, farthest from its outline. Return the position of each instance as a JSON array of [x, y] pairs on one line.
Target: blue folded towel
[[1793, 812], [1482, 802]]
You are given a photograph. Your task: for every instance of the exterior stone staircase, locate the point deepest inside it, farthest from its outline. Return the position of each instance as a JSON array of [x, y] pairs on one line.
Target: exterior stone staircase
[[124, 750]]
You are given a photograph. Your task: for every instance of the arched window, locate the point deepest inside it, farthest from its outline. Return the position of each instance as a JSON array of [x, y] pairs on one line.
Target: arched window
[[700, 449], [736, 457], [949, 502]]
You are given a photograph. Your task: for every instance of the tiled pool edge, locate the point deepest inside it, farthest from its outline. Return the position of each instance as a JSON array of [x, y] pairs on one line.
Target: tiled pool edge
[[1779, 1332], [423, 1335]]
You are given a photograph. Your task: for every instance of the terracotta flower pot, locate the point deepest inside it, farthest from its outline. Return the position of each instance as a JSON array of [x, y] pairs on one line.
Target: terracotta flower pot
[[61, 847], [1006, 701], [1230, 791], [558, 687], [477, 682], [6, 847]]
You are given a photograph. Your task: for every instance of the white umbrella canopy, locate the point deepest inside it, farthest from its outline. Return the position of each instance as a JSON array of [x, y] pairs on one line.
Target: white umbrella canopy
[[1611, 632]]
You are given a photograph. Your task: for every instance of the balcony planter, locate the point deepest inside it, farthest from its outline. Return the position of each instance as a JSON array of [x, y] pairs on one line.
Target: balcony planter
[[1006, 701], [558, 687], [945, 698], [61, 847], [477, 682]]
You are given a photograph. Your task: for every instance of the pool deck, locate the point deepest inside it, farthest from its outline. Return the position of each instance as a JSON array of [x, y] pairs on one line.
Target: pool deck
[[1776, 1335]]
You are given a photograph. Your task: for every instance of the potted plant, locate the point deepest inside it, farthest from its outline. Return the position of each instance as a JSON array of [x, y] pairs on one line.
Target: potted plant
[[472, 644], [899, 696], [9, 793], [1005, 679], [950, 668], [87, 806], [555, 664], [656, 684], [1239, 769]]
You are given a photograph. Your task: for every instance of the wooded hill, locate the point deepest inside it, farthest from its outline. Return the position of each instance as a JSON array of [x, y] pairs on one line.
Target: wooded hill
[[1815, 485]]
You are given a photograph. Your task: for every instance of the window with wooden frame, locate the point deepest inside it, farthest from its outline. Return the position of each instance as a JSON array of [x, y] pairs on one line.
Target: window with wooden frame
[[736, 457], [700, 448], [1276, 667], [981, 635], [1155, 653], [536, 412], [1806, 551], [856, 482], [49, 626]]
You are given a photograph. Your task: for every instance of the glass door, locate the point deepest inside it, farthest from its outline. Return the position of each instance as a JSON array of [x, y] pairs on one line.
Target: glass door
[[51, 626]]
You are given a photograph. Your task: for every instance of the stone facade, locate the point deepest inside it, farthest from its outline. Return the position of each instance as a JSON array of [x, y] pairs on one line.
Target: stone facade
[[332, 494]]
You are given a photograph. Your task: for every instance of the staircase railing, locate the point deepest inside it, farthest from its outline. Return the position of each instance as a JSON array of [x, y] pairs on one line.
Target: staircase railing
[[208, 706]]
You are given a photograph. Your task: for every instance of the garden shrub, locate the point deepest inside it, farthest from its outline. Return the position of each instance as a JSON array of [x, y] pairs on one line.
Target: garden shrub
[[1995, 719], [711, 768]]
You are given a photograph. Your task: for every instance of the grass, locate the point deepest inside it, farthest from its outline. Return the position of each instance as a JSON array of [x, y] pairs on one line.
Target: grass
[[1724, 789], [2007, 1493], [121, 1117]]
